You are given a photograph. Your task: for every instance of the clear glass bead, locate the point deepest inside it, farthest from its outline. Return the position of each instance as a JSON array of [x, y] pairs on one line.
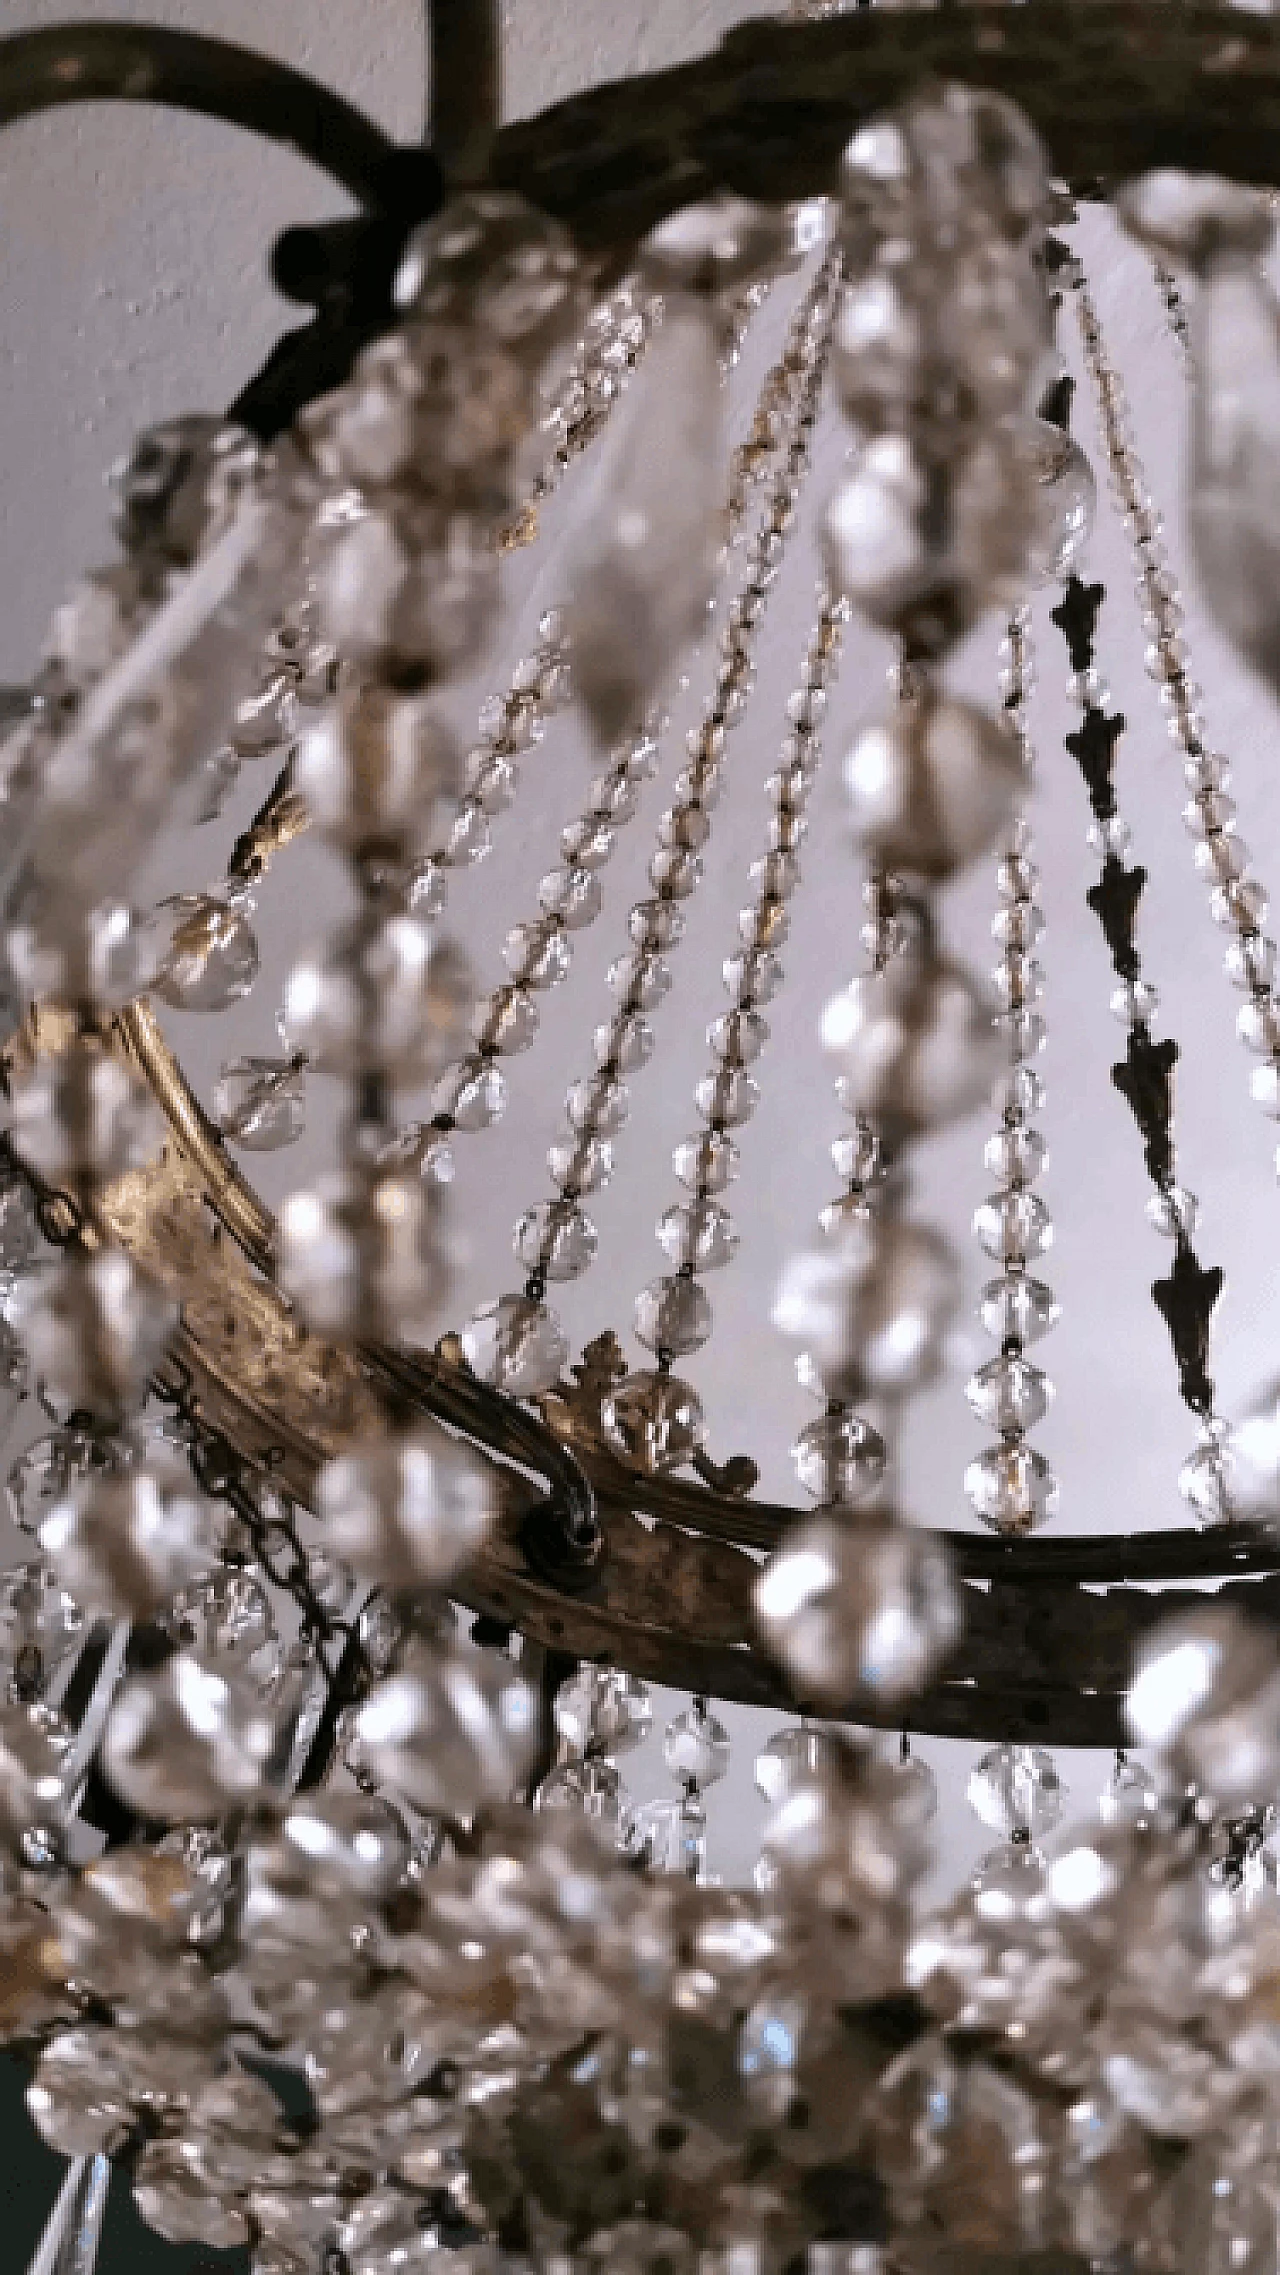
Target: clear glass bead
[[1134, 1002], [226, 1618], [1258, 1025], [1011, 1488], [602, 1711], [1173, 1212], [19, 1225], [1013, 1226], [39, 1624], [537, 955], [1222, 858], [675, 873], [1204, 1482], [656, 924], [1130, 1796], [508, 1022], [470, 837], [1016, 1789], [591, 1789], [910, 1790], [707, 1163], [1243, 904], [839, 1458], [738, 1037], [1112, 839], [789, 1758], [654, 1421], [580, 1164], [727, 1099], [1264, 1088], [673, 1315], [624, 1044], [697, 1234], [599, 1104], [640, 980], [260, 1104], [472, 1094], [557, 1239], [857, 1609], [671, 1837], [1018, 1308], [517, 1345], [572, 895], [1016, 1155], [1208, 811], [1252, 961], [695, 1746], [211, 957], [50, 1467], [1009, 1393]]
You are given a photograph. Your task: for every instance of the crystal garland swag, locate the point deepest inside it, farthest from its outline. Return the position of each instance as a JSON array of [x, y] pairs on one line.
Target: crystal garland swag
[[504, 2040]]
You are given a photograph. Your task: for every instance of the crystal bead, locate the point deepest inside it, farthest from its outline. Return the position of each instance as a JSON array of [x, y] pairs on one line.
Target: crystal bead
[[870, 1308], [599, 1105], [470, 837], [791, 1757], [556, 1239], [727, 1099], [79, 2098], [654, 1421], [517, 1345], [571, 895], [49, 1468], [1208, 811], [1018, 1094], [1204, 1482], [19, 1226], [624, 1044], [752, 976], [1134, 1002], [383, 996], [186, 1743], [1013, 1226], [472, 1095], [697, 1235], [1016, 1789], [580, 1164], [1243, 904], [451, 1729], [656, 924], [1264, 1088], [673, 1316], [707, 1163], [738, 1037], [640, 980], [259, 1104], [1009, 1393], [602, 1711], [695, 1747], [590, 1788], [508, 1022], [909, 1789], [1012, 1488], [1016, 1155], [95, 1328], [1018, 1308], [1130, 1796], [123, 1541], [537, 955], [1258, 1025], [1174, 1212], [83, 1112], [671, 1836], [1252, 961], [211, 960], [839, 1458], [428, 889], [1111, 840], [365, 1254], [586, 844], [857, 1609], [39, 1624]]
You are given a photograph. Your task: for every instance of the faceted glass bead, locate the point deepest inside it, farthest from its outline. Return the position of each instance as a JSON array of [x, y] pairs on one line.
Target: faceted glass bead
[[1130, 1796], [656, 924], [1012, 1488], [572, 895], [727, 1099], [260, 1103], [602, 1711], [1018, 1307], [738, 1037], [516, 1344], [580, 1164], [365, 1254], [1252, 961], [697, 1234], [1018, 1094], [95, 1327], [124, 1540], [1174, 1212], [640, 980], [1134, 1003], [1204, 1481], [557, 1239], [671, 1836], [1013, 1226], [49, 1468], [185, 1742], [79, 2098], [1009, 1393], [472, 1093], [790, 1758], [19, 1228], [83, 1111], [1016, 1156], [590, 1788], [623, 1044], [673, 1315], [1243, 904], [211, 960], [537, 955], [839, 1458], [381, 996], [1009, 1884], [224, 1618], [654, 1421], [870, 1308], [695, 1747], [910, 1789], [854, 1609], [452, 1728], [508, 1022], [1258, 1025], [39, 1623], [707, 1163], [600, 1104], [1016, 1789], [753, 975]]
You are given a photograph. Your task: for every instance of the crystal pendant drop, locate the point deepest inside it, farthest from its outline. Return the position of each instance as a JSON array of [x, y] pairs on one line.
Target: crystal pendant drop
[[695, 1746], [19, 1228], [654, 1421], [211, 959], [259, 1104], [1017, 1790]]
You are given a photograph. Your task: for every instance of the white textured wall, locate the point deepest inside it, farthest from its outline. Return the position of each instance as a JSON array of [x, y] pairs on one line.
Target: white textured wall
[[131, 285]]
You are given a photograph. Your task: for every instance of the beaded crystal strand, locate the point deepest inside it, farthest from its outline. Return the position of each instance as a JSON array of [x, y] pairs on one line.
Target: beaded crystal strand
[[1010, 1485]]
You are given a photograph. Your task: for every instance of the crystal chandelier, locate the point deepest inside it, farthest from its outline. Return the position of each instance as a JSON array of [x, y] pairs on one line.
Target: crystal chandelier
[[324, 1908]]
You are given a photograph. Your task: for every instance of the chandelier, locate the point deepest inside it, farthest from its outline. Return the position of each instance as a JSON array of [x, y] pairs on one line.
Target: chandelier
[[325, 1911]]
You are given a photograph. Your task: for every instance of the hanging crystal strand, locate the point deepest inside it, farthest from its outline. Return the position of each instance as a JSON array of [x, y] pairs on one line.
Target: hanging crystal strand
[[1175, 309], [1010, 1485], [670, 1836], [69, 2245], [1144, 1077], [1014, 1791], [1238, 899], [598, 1714], [517, 1341], [653, 1418], [616, 335]]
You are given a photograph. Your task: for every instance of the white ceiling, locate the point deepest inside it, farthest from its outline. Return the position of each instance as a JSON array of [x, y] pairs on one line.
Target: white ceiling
[[131, 286]]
